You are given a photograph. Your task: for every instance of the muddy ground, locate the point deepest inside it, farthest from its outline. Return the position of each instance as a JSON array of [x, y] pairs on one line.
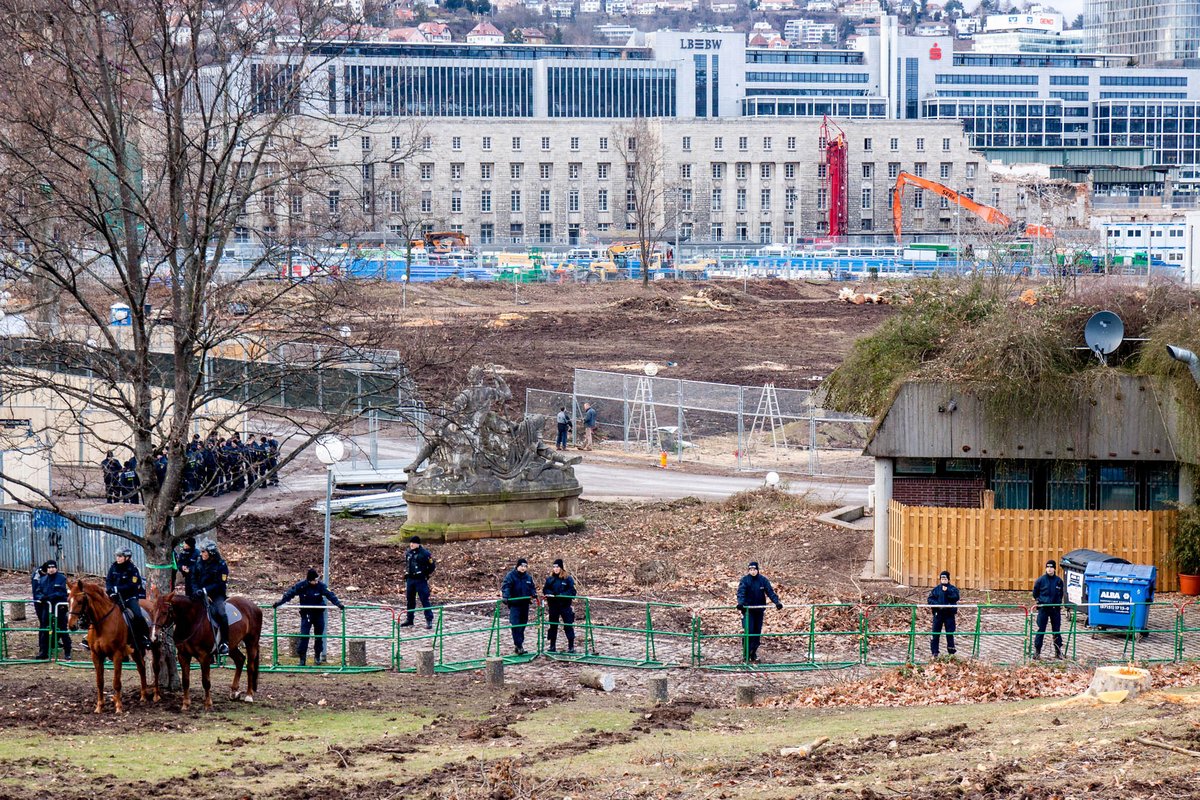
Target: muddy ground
[[786, 332], [684, 551], [398, 736]]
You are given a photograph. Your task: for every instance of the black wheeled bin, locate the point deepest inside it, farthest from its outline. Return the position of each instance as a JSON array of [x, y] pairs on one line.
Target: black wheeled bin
[[1074, 566]]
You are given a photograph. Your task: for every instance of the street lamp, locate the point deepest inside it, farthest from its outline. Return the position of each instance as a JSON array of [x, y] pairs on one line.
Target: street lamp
[[330, 450], [957, 243]]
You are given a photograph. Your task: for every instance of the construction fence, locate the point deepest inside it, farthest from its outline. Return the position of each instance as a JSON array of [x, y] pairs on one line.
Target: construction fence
[[620, 632], [738, 427]]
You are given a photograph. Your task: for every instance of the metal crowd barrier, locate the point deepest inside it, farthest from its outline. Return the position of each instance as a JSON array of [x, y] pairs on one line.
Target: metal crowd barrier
[[623, 632]]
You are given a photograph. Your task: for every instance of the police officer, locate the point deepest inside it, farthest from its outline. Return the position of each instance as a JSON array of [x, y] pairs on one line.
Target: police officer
[[50, 600], [131, 484], [312, 593], [209, 584], [518, 591], [211, 470], [559, 591], [271, 448], [418, 566], [943, 599], [185, 564], [1048, 597], [752, 594], [112, 478], [124, 584]]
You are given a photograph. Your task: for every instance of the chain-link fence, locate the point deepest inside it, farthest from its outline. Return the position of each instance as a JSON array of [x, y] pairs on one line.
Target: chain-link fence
[[740, 427]]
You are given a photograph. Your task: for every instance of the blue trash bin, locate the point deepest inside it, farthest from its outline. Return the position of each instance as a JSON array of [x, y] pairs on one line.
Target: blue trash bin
[[1119, 595]]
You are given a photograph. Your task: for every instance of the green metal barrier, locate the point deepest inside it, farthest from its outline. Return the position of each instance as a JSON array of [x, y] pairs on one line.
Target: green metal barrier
[[654, 635]]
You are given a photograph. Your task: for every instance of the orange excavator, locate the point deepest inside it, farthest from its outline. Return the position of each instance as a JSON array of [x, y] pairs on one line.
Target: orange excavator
[[988, 214]]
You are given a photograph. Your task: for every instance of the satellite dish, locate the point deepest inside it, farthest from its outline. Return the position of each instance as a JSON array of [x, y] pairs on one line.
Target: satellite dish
[[1104, 333], [651, 369]]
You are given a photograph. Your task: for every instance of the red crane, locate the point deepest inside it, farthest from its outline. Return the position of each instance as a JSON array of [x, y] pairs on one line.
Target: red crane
[[834, 158]]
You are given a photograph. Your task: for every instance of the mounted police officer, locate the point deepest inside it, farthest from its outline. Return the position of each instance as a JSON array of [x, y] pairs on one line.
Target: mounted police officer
[[209, 584], [418, 566], [518, 591], [559, 591], [49, 601], [124, 584], [752, 594], [186, 557], [312, 593], [943, 599]]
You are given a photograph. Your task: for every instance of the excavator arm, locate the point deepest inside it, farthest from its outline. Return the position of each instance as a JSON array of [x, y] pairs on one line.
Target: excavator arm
[[988, 214]]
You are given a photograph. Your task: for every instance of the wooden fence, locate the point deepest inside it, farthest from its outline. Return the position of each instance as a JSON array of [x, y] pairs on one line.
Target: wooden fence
[[1006, 549]]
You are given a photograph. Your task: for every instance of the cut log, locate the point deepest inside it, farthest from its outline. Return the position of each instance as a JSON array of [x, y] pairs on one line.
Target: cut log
[[356, 652], [1118, 679], [16, 611], [493, 668], [425, 663], [745, 694], [804, 750], [657, 689], [595, 679]]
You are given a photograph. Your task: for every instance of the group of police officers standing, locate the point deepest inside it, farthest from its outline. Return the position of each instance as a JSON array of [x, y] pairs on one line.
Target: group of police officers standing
[[213, 466]]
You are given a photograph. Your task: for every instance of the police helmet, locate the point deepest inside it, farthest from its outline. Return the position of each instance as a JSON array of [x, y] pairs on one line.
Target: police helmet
[[209, 546], [125, 551]]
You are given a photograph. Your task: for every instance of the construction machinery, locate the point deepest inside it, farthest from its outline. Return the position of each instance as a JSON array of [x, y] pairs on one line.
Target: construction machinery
[[833, 152], [987, 213]]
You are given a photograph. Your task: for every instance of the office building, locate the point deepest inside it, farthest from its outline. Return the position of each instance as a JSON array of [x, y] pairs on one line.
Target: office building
[[1149, 31]]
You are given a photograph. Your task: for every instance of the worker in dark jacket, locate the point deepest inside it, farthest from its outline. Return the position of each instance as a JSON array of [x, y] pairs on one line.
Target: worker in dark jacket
[[312, 593], [943, 600], [518, 591], [418, 566], [186, 557], [50, 602], [210, 583], [559, 591], [752, 594], [1048, 597], [112, 478], [124, 584]]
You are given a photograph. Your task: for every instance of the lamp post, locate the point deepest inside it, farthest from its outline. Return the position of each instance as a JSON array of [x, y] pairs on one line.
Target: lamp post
[[957, 243], [330, 450]]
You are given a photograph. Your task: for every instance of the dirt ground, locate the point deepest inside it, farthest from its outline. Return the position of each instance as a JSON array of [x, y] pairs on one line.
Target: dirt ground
[[659, 551], [788, 332], [397, 736]]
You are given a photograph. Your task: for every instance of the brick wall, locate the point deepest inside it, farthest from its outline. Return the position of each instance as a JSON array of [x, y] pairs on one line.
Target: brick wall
[[944, 492]]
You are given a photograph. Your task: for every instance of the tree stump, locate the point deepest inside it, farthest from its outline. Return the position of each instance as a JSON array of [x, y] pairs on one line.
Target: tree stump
[[595, 679], [657, 690], [1117, 684], [16, 611], [425, 663], [356, 653], [493, 669], [745, 694]]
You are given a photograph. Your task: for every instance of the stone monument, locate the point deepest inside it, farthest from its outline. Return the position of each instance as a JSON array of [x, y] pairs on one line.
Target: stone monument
[[486, 475]]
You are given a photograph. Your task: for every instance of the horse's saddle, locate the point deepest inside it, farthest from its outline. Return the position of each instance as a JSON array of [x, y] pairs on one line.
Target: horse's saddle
[[231, 614]]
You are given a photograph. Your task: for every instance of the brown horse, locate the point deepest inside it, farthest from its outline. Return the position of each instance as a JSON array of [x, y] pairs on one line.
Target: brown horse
[[194, 639], [107, 637]]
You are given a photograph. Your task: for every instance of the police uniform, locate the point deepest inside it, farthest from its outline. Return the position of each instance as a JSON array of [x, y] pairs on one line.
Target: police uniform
[[112, 479], [1048, 594], [418, 566], [185, 565], [944, 599], [559, 591], [312, 595], [753, 590], [211, 580], [518, 591], [50, 600], [125, 583]]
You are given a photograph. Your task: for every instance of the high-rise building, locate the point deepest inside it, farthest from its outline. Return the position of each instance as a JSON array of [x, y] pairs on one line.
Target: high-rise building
[[1148, 30]]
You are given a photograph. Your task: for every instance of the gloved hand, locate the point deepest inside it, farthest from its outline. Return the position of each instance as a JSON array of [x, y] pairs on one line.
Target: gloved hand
[[341, 607], [741, 608], [779, 606], [276, 605]]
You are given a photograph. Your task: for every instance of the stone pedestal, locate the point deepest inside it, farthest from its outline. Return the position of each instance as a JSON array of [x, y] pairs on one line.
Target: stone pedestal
[[456, 517]]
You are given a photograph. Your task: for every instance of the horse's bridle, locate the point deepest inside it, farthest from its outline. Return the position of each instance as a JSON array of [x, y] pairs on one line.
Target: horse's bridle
[[85, 613]]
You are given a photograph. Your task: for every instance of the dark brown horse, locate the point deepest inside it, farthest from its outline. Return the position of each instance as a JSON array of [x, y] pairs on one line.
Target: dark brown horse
[[107, 637], [194, 639]]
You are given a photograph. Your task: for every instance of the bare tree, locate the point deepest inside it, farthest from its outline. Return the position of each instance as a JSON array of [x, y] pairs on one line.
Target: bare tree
[[639, 144], [164, 157]]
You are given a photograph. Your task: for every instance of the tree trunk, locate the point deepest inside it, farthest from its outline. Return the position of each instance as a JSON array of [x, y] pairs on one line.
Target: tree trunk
[[595, 679], [168, 668]]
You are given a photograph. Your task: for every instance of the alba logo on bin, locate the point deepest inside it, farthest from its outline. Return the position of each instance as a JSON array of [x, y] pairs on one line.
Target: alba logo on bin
[[1115, 601]]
